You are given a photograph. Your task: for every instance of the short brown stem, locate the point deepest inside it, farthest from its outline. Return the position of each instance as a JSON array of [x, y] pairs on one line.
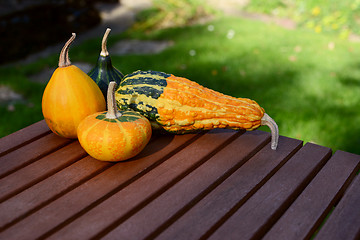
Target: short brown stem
[[104, 51], [112, 112], [64, 60]]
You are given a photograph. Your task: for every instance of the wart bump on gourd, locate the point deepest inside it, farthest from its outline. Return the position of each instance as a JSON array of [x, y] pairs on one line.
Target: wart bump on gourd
[[70, 96]]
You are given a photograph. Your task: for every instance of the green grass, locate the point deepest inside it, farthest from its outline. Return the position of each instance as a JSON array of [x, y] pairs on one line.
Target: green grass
[[339, 17], [24, 113], [311, 90]]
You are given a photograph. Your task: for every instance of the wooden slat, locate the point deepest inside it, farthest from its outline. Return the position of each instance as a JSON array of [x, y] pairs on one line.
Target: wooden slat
[[219, 185], [77, 201], [308, 211], [39, 170], [23, 136], [147, 187], [168, 203], [30, 152], [234, 190], [344, 221], [255, 217], [39, 194]]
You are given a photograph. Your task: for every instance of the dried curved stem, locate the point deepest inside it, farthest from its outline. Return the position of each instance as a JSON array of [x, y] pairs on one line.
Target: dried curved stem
[[112, 112], [104, 52], [268, 121], [64, 60]]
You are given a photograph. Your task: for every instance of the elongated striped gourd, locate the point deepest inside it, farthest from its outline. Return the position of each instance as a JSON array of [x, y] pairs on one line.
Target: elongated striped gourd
[[180, 106]]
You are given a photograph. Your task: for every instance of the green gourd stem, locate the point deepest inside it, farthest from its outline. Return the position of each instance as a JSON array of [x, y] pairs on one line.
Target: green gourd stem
[[64, 60], [104, 51], [112, 112], [268, 121]]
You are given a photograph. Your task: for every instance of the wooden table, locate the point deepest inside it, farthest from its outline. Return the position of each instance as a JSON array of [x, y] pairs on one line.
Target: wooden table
[[216, 185]]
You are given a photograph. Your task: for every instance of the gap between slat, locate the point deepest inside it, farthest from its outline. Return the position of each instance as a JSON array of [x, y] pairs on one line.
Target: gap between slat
[[63, 192], [204, 214], [121, 186], [42, 177], [17, 143], [33, 221], [329, 210], [287, 203], [332, 206], [30, 161], [209, 189], [343, 222], [166, 185], [283, 206], [250, 193]]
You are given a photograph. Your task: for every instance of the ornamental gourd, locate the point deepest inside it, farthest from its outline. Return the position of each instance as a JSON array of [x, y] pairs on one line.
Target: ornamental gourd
[[104, 72], [70, 96], [114, 135], [179, 105]]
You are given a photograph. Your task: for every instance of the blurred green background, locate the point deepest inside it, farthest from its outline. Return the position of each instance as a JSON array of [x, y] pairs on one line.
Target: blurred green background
[[300, 60]]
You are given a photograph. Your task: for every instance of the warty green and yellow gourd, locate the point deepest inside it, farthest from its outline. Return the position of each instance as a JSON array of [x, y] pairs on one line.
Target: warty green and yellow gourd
[[179, 105]]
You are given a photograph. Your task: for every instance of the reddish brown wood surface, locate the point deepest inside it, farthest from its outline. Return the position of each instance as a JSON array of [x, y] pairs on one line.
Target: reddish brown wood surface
[[309, 210], [217, 185], [231, 193], [344, 222], [256, 215], [31, 152], [23, 136], [40, 170]]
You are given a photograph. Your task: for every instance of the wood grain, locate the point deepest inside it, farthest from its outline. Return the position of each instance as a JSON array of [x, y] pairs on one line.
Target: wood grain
[[39, 194], [344, 221], [134, 196], [257, 215], [31, 152], [308, 211], [197, 183], [40, 170], [220, 184], [74, 203], [23, 136], [231, 193]]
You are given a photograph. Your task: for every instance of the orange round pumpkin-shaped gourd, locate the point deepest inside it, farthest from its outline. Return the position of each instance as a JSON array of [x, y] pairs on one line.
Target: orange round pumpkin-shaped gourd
[[114, 135], [70, 96]]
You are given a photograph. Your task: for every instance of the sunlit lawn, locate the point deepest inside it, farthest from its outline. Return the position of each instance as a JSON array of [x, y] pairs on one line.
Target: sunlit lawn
[[309, 83]]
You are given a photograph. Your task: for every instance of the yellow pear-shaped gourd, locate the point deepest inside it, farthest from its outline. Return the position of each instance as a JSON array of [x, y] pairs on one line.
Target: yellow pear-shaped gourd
[[70, 96]]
